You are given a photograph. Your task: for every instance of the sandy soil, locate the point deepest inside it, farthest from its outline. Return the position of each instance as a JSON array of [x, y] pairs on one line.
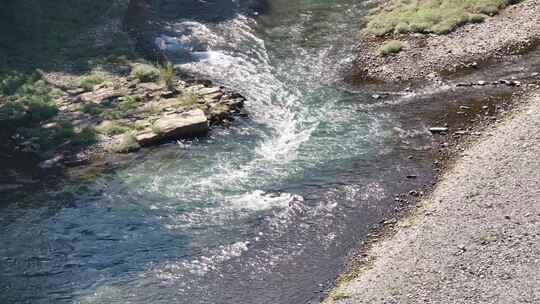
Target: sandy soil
[[515, 30], [476, 238]]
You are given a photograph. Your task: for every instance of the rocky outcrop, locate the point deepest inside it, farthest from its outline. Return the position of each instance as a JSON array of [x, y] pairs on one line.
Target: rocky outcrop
[[175, 126]]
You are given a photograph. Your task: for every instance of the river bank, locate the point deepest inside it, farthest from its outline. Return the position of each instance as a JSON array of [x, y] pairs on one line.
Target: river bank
[[432, 58], [474, 238]]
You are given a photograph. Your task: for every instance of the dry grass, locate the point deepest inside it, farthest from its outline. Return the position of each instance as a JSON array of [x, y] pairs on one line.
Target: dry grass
[[430, 16]]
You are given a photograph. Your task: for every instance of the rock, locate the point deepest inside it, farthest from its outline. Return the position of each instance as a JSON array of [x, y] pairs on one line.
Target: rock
[[101, 95], [168, 94], [175, 126], [481, 83], [438, 129], [208, 91], [53, 162], [376, 96], [214, 96], [150, 86], [464, 108]]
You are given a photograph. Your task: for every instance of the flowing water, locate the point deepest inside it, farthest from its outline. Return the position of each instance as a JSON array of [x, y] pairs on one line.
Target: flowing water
[[265, 211]]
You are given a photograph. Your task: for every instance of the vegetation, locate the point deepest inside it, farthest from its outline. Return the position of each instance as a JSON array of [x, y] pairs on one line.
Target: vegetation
[[27, 111], [28, 100], [390, 48], [145, 72], [430, 16], [166, 76], [188, 100]]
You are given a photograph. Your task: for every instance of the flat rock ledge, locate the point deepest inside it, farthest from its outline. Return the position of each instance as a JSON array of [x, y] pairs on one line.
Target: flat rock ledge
[[126, 113], [175, 126]]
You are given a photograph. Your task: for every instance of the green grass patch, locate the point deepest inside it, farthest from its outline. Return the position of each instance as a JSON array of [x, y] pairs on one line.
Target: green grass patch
[[430, 16], [391, 48]]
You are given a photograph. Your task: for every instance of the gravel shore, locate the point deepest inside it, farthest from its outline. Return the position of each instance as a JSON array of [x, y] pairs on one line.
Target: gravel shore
[[515, 30], [476, 238]]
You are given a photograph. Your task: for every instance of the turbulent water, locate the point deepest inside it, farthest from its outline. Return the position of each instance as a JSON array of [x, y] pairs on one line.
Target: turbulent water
[[265, 211]]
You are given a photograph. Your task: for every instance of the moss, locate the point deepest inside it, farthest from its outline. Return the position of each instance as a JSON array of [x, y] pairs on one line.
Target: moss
[[430, 16], [390, 48], [145, 72]]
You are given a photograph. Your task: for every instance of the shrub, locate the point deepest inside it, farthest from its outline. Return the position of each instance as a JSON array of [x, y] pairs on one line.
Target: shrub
[[166, 76], [390, 48], [145, 72]]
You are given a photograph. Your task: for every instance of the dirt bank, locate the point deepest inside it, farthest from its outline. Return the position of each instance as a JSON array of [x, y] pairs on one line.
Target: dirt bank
[[515, 30], [475, 238]]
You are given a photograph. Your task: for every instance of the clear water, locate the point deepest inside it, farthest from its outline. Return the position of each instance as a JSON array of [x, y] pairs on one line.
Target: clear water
[[263, 212]]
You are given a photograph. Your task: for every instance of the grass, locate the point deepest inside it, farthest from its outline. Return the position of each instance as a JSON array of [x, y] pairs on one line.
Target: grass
[[430, 16], [166, 76], [88, 82], [145, 72], [128, 143], [390, 48], [188, 100]]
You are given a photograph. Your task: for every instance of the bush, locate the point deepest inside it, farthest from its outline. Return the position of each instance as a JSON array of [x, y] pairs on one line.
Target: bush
[[145, 72], [430, 16], [390, 48], [30, 100]]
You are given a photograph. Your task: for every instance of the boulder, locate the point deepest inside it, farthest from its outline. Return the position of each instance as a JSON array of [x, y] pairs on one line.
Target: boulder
[[175, 126]]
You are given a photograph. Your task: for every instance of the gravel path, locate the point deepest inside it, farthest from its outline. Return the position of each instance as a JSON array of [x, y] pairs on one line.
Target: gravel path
[[476, 238], [514, 30]]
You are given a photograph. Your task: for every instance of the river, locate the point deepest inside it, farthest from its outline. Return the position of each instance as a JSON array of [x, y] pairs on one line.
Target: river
[[265, 211]]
